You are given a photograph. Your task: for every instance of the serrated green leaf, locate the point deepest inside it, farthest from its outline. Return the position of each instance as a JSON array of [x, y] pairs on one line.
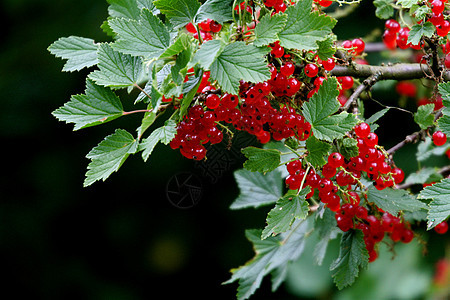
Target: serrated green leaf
[[189, 90], [348, 147], [217, 10], [385, 8], [394, 201], [147, 37], [179, 12], [422, 176], [319, 110], [407, 3], [108, 156], [148, 4], [353, 256], [444, 124], [426, 149], [97, 106], [439, 207], [80, 52], [305, 27], [117, 70], [162, 134], [182, 43], [208, 53], [266, 31], [326, 47], [148, 119], [261, 160], [444, 90], [424, 116], [272, 254], [419, 30], [288, 208], [123, 9], [257, 189], [239, 61], [375, 117], [420, 12], [317, 151]]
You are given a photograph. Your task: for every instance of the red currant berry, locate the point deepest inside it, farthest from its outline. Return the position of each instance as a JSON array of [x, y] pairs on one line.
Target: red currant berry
[[287, 69], [398, 175], [362, 130], [212, 101], [325, 185], [371, 140], [191, 28], [277, 51], [336, 159], [215, 27], [328, 171], [437, 6], [359, 46], [441, 228], [392, 25], [439, 138], [407, 236], [329, 64], [311, 70]]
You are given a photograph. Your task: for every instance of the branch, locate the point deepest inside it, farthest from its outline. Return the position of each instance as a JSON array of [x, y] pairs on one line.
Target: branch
[[400, 71], [366, 84]]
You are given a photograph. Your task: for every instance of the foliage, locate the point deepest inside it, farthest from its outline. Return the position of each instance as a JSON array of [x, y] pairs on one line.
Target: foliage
[[276, 71]]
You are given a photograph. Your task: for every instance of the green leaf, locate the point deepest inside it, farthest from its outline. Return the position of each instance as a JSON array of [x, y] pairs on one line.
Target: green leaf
[[208, 53], [162, 134], [444, 90], [407, 3], [423, 176], [147, 37], [117, 70], [266, 31], [426, 149], [239, 61], [424, 116], [439, 207], [99, 105], [123, 9], [182, 43], [353, 256], [444, 124], [305, 27], [319, 110], [288, 208], [271, 256], [217, 10], [375, 117], [179, 12], [317, 151], [394, 201], [420, 12], [257, 189], [327, 229], [419, 30], [189, 90], [80, 52], [147, 121], [326, 47], [261, 160], [385, 8], [108, 156], [348, 147]]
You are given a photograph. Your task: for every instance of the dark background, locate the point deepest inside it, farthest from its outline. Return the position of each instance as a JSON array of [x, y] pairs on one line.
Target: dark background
[[119, 239]]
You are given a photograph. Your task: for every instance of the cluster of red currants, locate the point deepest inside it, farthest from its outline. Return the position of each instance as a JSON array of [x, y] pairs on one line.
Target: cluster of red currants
[[206, 28], [338, 183], [396, 36], [437, 17], [278, 5]]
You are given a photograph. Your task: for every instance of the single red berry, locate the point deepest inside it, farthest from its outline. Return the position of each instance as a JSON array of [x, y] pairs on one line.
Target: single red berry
[[215, 27], [191, 28], [287, 69], [328, 171], [407, 236], [437, 6], [439, 138], [280, 7], [205, 25], [406, 88], [392, 25], [362, 130], [294, 166], [346, 82], [212, 101], [325, 185], [441, 228], [329, 64], [277, 51], [311, 70], [335, 159], [371, 140], [443, 28], [359, 46], [390, 39], [398, 175]]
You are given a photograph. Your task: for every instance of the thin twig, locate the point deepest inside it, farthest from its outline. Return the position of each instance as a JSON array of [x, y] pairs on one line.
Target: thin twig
[[365, 85]]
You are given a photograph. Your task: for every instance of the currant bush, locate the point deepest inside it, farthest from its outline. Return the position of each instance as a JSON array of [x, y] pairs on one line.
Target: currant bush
[[274, 70]]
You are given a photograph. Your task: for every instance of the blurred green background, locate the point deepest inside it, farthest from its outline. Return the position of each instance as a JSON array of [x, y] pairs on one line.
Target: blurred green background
[[123, 239]]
